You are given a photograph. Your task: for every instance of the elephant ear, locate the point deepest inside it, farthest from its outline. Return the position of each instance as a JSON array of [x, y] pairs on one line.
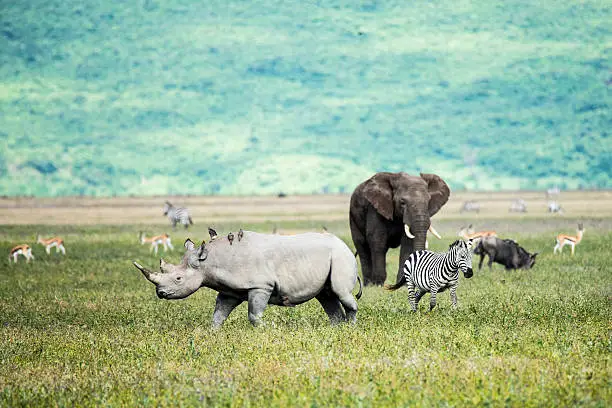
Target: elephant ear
[[377, 190], [438, 190]]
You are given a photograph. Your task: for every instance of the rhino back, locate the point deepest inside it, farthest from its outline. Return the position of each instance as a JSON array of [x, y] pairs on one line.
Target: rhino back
[[296, 265]]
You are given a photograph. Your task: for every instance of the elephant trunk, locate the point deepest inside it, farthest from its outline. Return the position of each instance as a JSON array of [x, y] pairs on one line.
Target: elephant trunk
[[416, 228]]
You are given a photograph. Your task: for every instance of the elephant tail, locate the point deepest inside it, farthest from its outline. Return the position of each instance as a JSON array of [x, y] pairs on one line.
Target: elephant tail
[[401, 282], [358, 295]]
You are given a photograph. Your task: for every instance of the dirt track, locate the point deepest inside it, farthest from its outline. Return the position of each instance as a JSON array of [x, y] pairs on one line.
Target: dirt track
[[593, 205]]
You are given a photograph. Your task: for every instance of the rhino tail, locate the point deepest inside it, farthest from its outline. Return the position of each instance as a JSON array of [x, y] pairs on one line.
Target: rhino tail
[[358, 295]]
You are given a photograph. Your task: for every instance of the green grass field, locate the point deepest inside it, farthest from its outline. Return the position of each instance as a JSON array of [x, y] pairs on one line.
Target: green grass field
[[88, 330]]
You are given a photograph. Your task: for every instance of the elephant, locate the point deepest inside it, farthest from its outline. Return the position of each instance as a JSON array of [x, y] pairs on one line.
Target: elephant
[[389, 210]]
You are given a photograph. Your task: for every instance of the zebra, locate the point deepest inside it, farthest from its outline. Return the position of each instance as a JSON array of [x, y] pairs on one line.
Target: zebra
[[435, 272], [518, 205], [470, 206], [177, 215], [554, 207]]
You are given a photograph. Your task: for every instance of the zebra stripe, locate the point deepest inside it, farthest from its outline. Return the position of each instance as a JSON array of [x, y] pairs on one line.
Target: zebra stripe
[[177, 215], [433, 272]]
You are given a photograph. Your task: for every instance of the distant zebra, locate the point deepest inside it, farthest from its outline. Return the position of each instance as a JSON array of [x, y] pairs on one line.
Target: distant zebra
[[470, 206], [553, 192], [435, 272], [518, 205], [554, 207], [177, 215]]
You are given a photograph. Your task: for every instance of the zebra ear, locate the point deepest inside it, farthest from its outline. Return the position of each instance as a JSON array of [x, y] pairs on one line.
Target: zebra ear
[[189, 245]]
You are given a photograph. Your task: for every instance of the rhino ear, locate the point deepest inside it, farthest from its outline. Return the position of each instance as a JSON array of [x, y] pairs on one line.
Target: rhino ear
[[202, 252], [189, 245]]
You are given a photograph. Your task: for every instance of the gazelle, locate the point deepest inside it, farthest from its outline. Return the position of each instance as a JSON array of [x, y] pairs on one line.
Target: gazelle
[[23, 249], [56, 242], [156, 241], [468, 233], [572, 241]]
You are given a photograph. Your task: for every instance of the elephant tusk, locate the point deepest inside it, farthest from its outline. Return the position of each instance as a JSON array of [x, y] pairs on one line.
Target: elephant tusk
[[152, 277], [407, 231], [433, 231]]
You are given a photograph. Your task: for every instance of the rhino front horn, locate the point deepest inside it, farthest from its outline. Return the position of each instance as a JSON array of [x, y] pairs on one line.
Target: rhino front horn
[[152, 277]]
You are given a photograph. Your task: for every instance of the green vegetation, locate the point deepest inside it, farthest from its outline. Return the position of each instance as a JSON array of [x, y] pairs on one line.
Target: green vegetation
[[236, 97], [87, 330]]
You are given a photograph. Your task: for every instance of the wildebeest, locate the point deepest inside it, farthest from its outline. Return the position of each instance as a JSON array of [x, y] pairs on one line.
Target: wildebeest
[[506, 252]]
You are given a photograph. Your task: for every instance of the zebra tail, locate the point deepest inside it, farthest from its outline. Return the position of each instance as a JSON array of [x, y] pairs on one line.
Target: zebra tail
[[401, 282], [358, 295]]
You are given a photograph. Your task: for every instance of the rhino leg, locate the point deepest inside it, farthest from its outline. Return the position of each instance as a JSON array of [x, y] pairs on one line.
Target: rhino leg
[[258, 300], [331, 305], [224, 306], [350, 307]]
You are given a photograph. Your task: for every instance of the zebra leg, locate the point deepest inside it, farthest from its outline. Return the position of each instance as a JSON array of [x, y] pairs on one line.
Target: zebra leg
[[418, 295], [432, 300], [453, 294], [411, 295]]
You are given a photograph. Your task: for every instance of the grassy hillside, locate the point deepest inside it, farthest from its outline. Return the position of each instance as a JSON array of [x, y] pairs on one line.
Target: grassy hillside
[[234, 97]]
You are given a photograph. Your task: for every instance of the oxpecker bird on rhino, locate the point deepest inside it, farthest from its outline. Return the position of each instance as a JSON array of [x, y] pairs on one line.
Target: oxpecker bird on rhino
[[265, 269]]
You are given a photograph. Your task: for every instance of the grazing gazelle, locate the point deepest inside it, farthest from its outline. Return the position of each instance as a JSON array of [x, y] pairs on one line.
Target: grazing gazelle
[[23, 249], [468, 233], [156, 241], [56, 242], [572, 241]]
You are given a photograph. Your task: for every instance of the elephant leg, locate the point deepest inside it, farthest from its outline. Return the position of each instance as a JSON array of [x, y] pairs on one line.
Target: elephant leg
[[406, 249], [331, 305], [365, 259], [379, 264], [223, 307], [258, 300]]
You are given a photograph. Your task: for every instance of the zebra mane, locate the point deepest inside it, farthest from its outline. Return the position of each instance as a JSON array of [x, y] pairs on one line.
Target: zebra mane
[[458, 242]]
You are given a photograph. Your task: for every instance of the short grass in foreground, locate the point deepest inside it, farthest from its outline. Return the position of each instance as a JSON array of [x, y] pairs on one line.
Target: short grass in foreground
[[88, 330]]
